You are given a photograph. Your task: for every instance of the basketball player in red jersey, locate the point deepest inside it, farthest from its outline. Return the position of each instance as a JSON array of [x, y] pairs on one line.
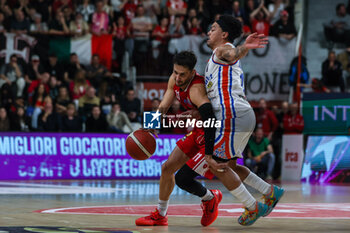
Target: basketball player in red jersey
[[188, 87]]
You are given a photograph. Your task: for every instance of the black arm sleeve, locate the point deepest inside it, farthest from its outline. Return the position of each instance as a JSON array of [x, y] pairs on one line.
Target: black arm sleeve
[[206, 112]]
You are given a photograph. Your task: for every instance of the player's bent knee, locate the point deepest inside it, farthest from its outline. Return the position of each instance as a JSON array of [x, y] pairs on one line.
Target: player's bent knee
[[180, 180], [167, 169]]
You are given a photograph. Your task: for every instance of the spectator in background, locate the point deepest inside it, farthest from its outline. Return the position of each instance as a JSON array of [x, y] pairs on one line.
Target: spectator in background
[[106, 103], [249, 7], [190, 14], [293, 123], [88, 101], [6, 97], [86, 9], [260, 20], [108, 8], [96, 122], [275, 9], [100, 22], [68, 14], [4, 120], [284, 27], [260, 158], [12, 74], [2, 25], [62, 100], [6, 10], [43, 8], [245, 28], [195, 28], [59, 5], [117, 6], [160, 47], [152, 10], [344, 59], [38, 27], [78, 27], [54, 68], [339, 25], [141, 28], [118, 121], [77, 88], [129, 9], [132, 106], [235, 10], [20, 122], [58, 26], [120, 33], [277, 137], [176, 29], [123, 86], [20, 25], [155, 104], [45, 77], [266, 119], [72, 67], [318, 86], [176, 7], [48, 119], [34, 70], [96, 72], [38, 102], [203, 13], [29, 11], [53, 86], [332, 73], [70, 122]]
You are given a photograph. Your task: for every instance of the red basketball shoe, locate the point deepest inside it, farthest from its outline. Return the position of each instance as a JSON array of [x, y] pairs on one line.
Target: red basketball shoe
[[154, 219], [210, 208]]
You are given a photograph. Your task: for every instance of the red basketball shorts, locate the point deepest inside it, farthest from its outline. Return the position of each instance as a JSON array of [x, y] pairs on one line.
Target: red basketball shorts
[[193, 146]]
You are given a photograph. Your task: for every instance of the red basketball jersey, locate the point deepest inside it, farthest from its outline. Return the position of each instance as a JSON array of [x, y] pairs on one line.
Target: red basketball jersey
[[183, 96]]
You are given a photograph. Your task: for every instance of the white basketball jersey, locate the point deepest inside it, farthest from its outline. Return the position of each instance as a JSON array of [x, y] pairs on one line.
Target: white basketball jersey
[[225, 88]]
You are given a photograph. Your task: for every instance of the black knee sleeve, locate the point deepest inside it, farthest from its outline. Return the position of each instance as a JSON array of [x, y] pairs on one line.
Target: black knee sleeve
[[185, 179]]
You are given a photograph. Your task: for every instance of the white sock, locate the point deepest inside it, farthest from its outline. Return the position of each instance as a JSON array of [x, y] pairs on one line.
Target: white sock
[[242, 194], [163, 207], [257, 183], [208, 196]]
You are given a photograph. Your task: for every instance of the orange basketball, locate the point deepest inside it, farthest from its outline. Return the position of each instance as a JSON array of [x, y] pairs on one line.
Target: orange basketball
[[140, 144]]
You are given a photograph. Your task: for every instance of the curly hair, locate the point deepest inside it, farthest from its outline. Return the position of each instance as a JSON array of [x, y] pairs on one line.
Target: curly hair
[[231, 25]]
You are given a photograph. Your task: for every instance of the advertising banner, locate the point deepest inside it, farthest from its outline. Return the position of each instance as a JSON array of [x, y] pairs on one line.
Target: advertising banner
[[326, 113], [147, 91], [77, 156], [265, 70], [327, 160], [292, 157]]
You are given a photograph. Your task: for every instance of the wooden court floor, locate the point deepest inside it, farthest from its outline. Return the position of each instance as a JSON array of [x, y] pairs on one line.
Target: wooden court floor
[[113, 206]]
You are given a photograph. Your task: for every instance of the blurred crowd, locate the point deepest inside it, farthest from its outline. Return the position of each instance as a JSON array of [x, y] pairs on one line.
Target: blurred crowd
[[47, 94]]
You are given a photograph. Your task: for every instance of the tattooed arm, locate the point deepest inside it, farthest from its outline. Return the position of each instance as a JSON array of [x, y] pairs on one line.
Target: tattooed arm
[[229, 54]]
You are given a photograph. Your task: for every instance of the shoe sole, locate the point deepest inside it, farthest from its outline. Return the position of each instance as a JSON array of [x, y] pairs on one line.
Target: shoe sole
[[166, 224]]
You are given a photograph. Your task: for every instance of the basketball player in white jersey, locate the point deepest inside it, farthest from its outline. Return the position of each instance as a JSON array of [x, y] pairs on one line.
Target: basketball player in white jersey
[[225, 88]]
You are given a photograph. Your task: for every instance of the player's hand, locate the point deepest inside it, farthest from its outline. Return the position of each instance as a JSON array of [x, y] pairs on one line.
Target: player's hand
[[218, 167], [255, 41], [152, 131]]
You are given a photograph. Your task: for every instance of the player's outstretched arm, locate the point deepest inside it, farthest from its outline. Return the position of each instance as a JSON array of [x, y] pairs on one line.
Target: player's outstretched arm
[[253, 41]]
